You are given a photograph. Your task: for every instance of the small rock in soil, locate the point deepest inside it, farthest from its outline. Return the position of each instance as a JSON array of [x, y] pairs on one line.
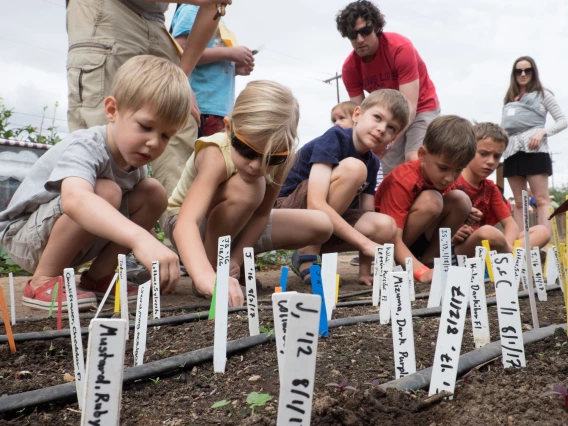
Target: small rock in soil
[[254, 378], [24, 374], [68, 378]]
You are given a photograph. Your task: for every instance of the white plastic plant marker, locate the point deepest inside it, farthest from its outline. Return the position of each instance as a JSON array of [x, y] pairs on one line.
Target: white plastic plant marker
[[75, 330], [105, 364], [532, 300], [477, 303], [398, 268], [450, 334], [123, 290], [328, 278], [537, 275], [12, 298], [436, 287], [156, 289], [481, 252], [141, 325], [251, 298], [281, 314], [377, 271], [518, 266], [445, 255], [385, 310], [105, 297], [410, 271], [552, 273], [297, 387], [402, 327], [221, 304], [508, 312], [461, 260]]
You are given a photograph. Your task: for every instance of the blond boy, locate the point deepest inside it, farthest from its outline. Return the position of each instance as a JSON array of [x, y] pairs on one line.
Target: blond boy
[[89, 197]]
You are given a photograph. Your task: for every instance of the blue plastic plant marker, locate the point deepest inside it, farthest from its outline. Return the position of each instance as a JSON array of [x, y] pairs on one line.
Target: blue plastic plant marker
[[317, 288], [486, 277], [284, 278]]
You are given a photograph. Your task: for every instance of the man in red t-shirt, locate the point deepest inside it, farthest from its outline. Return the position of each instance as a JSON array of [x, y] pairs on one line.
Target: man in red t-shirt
[[488, 205], [387, 61]]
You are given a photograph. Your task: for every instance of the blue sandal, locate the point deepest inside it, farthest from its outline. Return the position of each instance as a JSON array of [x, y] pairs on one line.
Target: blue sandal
[[297, 261]]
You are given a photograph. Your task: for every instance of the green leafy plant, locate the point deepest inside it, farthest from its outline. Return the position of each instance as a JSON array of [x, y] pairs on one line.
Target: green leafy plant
[[7, 265], [155, 381], [255, 399], [228, 405], [273, 259], [266, 330]]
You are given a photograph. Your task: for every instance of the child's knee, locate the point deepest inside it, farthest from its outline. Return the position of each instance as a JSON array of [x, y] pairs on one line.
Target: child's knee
[[429, 203], [458, 201], [353, 169], [109, 191], [322, 228], [384, 229], [247, 195], [154, 194], [491, 234]]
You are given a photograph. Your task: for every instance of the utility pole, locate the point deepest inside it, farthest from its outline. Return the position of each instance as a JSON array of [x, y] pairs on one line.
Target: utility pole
[[336, 78], [551, 159]]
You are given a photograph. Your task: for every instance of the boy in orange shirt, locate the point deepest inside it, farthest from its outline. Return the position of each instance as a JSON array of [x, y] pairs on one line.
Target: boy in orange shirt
[[412, 193], [488, 206]]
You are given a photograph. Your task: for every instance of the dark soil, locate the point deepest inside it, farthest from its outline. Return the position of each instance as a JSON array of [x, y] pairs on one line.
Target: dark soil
[[490, 395]]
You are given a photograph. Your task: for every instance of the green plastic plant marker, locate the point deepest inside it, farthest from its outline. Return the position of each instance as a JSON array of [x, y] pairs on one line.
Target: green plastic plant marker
[[212, 307], [53, 299]]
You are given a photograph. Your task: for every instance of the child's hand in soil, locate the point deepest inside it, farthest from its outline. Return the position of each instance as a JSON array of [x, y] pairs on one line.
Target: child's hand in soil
[[236, 297], [366, 280], [463, 234]]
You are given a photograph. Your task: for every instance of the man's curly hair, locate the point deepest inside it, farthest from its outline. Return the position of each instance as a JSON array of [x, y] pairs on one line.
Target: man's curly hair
[[363, 9]]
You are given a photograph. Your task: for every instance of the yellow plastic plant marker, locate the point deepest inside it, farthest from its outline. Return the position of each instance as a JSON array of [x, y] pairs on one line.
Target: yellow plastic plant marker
[[336, 288], [485, 243], [227, 35], [562, 261], [117, 293]]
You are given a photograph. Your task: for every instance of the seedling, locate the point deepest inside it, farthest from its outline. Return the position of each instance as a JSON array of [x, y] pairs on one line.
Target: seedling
[[266, 330], [46, 356], [163, 351], [255, 399], [541, 355], [225, 403], [343, 385], [61, 352], [414, 392], [559, 390], [51, 348], [561, 345], [374, 383], [155, 381]]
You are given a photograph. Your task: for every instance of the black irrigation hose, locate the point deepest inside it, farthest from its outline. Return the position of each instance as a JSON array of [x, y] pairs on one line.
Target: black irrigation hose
[[175, 308], [180, 319], [184, 361], [470, 360]]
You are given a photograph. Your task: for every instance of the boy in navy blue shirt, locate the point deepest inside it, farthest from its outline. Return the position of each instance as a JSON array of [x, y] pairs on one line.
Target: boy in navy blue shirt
[[336, 173]]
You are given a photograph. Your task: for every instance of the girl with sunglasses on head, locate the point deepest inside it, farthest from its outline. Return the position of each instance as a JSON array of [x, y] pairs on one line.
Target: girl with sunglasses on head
[[230, 184], [527, 157]]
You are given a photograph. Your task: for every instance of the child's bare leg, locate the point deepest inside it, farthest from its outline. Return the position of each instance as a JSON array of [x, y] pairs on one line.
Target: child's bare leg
[[67, 238], [518, 185], [293, 228], [495, 237], [146, 203], [539, 236], [346, 178], [231, 209], [425, 210], [457, 206]]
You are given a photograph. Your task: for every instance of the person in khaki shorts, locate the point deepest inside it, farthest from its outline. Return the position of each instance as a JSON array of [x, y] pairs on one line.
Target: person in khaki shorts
[[89, 198], [103, 35]]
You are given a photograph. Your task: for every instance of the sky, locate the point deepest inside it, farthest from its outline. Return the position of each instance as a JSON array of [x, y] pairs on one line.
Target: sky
[[468, 47]]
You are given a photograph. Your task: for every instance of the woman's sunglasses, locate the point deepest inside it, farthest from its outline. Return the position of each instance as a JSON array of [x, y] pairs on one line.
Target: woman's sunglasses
[[250, 152], [520, 71], [365, 31]]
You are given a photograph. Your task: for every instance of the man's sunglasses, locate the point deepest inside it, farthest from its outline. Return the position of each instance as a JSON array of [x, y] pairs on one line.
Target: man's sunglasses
[[520, 71], [365, 31], [250, 152]]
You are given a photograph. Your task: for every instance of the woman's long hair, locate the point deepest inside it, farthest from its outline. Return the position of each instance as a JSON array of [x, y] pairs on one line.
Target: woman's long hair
[[534, 84]]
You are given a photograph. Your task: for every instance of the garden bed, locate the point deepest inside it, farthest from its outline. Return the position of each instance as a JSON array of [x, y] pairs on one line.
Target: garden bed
[[362, 353]]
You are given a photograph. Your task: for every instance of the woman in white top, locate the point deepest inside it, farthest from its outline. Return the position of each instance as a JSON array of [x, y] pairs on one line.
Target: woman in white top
[[527, 157]]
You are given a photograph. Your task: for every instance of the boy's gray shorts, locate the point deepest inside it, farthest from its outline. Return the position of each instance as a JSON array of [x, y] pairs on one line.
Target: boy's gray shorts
[[25, 239]]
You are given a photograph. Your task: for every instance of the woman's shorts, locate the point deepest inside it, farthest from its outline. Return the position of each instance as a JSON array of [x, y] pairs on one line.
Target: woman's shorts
[[527, 164]]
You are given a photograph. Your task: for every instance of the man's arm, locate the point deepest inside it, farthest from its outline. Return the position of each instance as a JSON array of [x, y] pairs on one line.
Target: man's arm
[[410, 91], [358, 99], [238, 54]]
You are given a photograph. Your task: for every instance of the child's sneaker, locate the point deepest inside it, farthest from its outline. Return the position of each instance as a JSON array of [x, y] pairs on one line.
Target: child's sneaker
[[100, 287], [41, 297]]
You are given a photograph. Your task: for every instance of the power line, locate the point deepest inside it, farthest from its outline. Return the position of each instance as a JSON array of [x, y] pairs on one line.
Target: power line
[[31, 45], [40, 116], [54, 4]]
